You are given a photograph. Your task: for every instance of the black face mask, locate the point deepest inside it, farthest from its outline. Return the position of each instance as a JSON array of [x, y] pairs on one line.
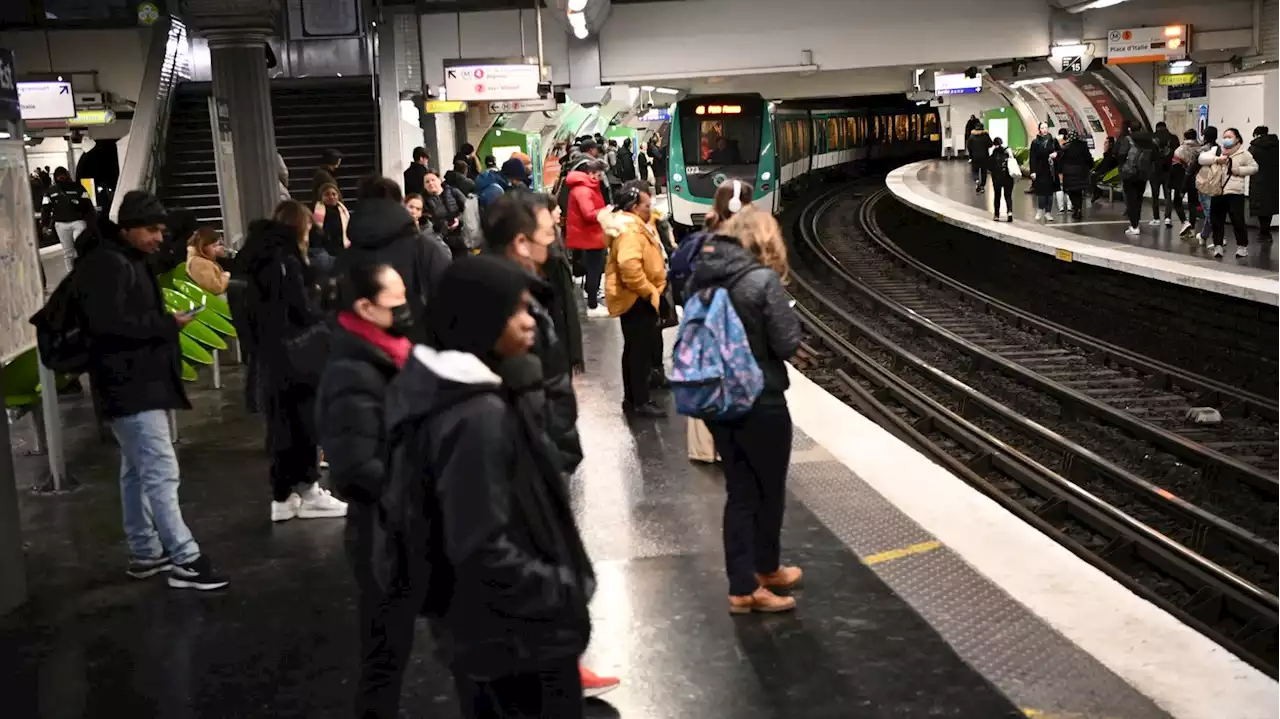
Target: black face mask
[[401, 321]]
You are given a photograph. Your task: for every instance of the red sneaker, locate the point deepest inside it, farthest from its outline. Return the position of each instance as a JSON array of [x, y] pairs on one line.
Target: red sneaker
[[594, 685]]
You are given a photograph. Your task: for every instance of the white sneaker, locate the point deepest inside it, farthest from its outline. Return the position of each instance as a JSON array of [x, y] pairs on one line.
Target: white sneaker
[[317, 503], [1242, 252], [1048, 217], [1039, 215], [1155, 222], [1186, 228], [599, 312], [286, 510], [1168, 222], [1217, 250], [1132, 231]]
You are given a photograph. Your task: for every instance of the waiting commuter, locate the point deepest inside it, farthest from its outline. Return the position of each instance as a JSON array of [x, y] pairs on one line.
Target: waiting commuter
[[467, 154], [1075, 161], [749, 259], [203, 250], [415, 174], [1164, 143], [282, 178], [626, 167], [494, 182], [67, 209], [642, 165], [583, 231], [558, 272], [333, 218], [383, 232], [1209, 143], [1182, 172], [1002, 178], [290, 340], [442, 208], [1262, 186], [326, 173], [1135, 151], [133, 368], [979, 148], [509, 578], [658, 153], [367, 350], [1044, 181], [1232, 203], [1064, 204], [1108, 164], [970, 125], [457, 178], [635, 277]]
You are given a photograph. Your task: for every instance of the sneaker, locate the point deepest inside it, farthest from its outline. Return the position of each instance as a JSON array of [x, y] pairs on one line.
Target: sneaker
[[319, 503], [196, 575], [1155, 222], [1132, 231], [761, 600], [1187, 227], [1009, 218], [1048, 217], [649, 410], [598, 312], [286, 510], [1217, 250], [1039, 215], [1242, 252], [781, 578], [144, 568], [593, 685], [1168, 222]]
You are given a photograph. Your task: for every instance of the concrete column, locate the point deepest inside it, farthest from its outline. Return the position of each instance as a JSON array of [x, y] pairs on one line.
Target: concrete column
[[239, 67]]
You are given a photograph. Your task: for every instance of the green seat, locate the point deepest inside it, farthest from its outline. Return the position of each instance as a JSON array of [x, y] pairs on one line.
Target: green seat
[[22, 381]]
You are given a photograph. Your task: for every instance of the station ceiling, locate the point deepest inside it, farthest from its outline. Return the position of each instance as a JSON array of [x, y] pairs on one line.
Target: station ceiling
[[427, 7]]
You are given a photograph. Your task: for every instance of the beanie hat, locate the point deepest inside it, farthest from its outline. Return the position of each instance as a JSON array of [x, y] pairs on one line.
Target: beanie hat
[[514, 169], [140, 209], [473, 301]]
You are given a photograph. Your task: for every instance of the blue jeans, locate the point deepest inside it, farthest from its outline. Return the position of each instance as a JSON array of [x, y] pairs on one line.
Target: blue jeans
[[1205, 201], [153, 523], [1044, 203]]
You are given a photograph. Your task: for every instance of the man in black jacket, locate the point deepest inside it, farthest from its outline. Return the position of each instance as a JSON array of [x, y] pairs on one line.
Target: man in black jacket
[[506, 575], [381, 231], [416, 173], [135, 373]]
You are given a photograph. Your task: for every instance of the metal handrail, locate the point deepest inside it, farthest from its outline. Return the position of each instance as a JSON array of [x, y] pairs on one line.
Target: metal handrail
[[168, 64]]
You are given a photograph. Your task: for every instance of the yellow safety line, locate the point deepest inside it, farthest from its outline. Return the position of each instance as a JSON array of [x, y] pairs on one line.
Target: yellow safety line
[[891, 554]]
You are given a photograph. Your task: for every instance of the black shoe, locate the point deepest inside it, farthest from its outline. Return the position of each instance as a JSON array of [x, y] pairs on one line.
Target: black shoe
[[649, 410], [658, 381], [196, 575], [144, 568]]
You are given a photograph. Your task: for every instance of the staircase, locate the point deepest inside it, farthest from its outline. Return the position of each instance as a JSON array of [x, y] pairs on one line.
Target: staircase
[[310, 116]]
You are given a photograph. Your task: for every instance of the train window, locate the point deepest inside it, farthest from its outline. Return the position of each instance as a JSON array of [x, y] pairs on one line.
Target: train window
[[729, 136]]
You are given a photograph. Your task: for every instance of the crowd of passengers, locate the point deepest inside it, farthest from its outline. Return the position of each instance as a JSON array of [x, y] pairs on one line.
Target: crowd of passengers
[[1220, 178], [436, 372]]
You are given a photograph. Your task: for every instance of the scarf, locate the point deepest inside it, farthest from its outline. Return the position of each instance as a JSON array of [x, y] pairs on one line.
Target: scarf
[[396, 348]]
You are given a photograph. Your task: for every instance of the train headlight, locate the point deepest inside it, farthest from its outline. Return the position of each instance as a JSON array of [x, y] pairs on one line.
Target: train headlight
[[765, 175], [678, 177]]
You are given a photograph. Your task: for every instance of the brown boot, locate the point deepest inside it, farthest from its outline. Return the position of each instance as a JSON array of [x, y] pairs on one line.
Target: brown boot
[[781, 578], [761, 600]]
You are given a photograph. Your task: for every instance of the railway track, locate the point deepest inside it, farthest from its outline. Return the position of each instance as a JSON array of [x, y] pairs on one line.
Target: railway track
[[1088, 441]]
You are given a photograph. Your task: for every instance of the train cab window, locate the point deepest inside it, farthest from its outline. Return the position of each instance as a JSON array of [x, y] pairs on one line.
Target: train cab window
[[720, 133]]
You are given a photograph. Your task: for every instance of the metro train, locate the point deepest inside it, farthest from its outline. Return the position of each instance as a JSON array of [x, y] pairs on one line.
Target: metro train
[[778, 145]]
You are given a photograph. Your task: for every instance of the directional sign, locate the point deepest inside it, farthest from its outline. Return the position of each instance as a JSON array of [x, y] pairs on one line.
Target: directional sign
[[488, 82], [1072, 63], [504, 106], [46, 100]]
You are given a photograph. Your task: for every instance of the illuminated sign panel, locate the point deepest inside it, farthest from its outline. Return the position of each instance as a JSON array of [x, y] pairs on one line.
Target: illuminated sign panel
[[475, 81], [46, 100], [718, 110], [1148, 44], [956, 84]]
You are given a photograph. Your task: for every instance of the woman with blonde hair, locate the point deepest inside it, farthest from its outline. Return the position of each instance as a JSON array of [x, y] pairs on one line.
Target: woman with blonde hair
[[749, 260], [203, 250], [290, 340]]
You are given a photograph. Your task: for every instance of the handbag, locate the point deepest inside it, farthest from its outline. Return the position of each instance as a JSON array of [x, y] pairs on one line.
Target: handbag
[[1212, 179], [1015, 171], [667, 316]]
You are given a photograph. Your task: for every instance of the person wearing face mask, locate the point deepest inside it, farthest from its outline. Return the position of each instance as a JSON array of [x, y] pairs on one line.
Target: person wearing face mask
[[367, 350], [1044, 182], [1236, 166]]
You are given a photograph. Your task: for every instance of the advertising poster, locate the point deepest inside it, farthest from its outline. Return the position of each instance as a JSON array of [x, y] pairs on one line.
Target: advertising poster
[[1103, 103], [1076, 122]]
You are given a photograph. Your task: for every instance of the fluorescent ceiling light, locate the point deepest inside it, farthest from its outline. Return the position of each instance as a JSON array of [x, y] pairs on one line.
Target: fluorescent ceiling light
[[577, 20], [647, 88], [1094, 5], [577, 5], [580, 33], [1179, 65], [666, 91], [1068, 50], [1031, 81]]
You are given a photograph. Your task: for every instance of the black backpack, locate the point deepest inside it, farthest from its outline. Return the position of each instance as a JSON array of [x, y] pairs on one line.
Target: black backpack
[[61, 337], [1137, 162]]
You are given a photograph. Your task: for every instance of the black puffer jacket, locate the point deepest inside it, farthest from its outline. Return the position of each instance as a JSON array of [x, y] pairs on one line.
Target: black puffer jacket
[[280, 298], [763, 306], [349, 416], [382, 231], [496, 549], [978, 146], [561, 411], [1262, 186], [1075, 162], [134, 365], [1044, 180]]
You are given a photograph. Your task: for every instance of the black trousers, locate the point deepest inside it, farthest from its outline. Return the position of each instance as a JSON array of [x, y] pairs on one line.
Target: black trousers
[[1233, 206], [1003, 189], [291, 439], [1158, 191], [755, 452], [641, 345], [1133, 191], [979, 172], [594, 261], [386, 625], [1264, 227], [554, 692], [1077, 202]]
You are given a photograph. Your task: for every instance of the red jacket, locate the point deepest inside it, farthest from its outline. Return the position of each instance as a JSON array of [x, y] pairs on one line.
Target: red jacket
[[583, 230]]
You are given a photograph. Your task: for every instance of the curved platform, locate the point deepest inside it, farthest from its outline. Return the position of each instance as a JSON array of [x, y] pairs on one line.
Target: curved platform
[[922, 597], [944, 189]]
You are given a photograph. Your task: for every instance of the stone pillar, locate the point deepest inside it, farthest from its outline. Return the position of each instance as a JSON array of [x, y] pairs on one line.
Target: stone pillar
[[239, 66]]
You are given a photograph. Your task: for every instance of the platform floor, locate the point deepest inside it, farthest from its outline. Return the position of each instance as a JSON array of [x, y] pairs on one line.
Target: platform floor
[[881, 631], [946, 188]]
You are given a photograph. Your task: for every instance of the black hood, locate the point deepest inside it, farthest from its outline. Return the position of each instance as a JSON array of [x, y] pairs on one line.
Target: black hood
[[267, 241], [378, 222], [98, 233], [721, 260], [1266, 142], [433, 381]]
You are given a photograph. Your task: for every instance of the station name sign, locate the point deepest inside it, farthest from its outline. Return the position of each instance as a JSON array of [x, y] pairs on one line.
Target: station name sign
[[481, 81], [1148, 44]]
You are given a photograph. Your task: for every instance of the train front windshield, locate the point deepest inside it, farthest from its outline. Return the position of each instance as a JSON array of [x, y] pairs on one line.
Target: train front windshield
[[721, 133]]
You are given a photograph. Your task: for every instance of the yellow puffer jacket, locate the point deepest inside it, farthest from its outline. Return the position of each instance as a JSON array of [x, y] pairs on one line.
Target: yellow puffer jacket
[[637, 267]]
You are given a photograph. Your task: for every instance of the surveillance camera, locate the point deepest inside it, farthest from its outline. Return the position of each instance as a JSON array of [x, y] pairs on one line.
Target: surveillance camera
[[648, 106]]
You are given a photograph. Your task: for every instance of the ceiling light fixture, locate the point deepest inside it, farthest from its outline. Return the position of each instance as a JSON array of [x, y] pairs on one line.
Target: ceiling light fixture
[[1095, 5], [580, 33], [577, 5], [666, 91], [1030, 81]]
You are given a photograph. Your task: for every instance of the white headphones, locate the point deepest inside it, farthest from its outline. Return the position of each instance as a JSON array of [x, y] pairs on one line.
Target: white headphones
[[735, 204]]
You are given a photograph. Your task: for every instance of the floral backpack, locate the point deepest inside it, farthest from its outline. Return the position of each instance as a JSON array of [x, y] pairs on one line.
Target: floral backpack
[[714, 374]]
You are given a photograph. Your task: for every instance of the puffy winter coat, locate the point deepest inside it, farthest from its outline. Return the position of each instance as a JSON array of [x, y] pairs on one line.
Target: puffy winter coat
[[1044, 180], [582, 229], [491, 185], [1075, 162], [636, 269], [1241, 166], [1262, 186], [978, 146]]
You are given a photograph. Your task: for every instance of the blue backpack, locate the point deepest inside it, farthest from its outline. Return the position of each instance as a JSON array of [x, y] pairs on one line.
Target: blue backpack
[[680, 266], [714, 375]]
